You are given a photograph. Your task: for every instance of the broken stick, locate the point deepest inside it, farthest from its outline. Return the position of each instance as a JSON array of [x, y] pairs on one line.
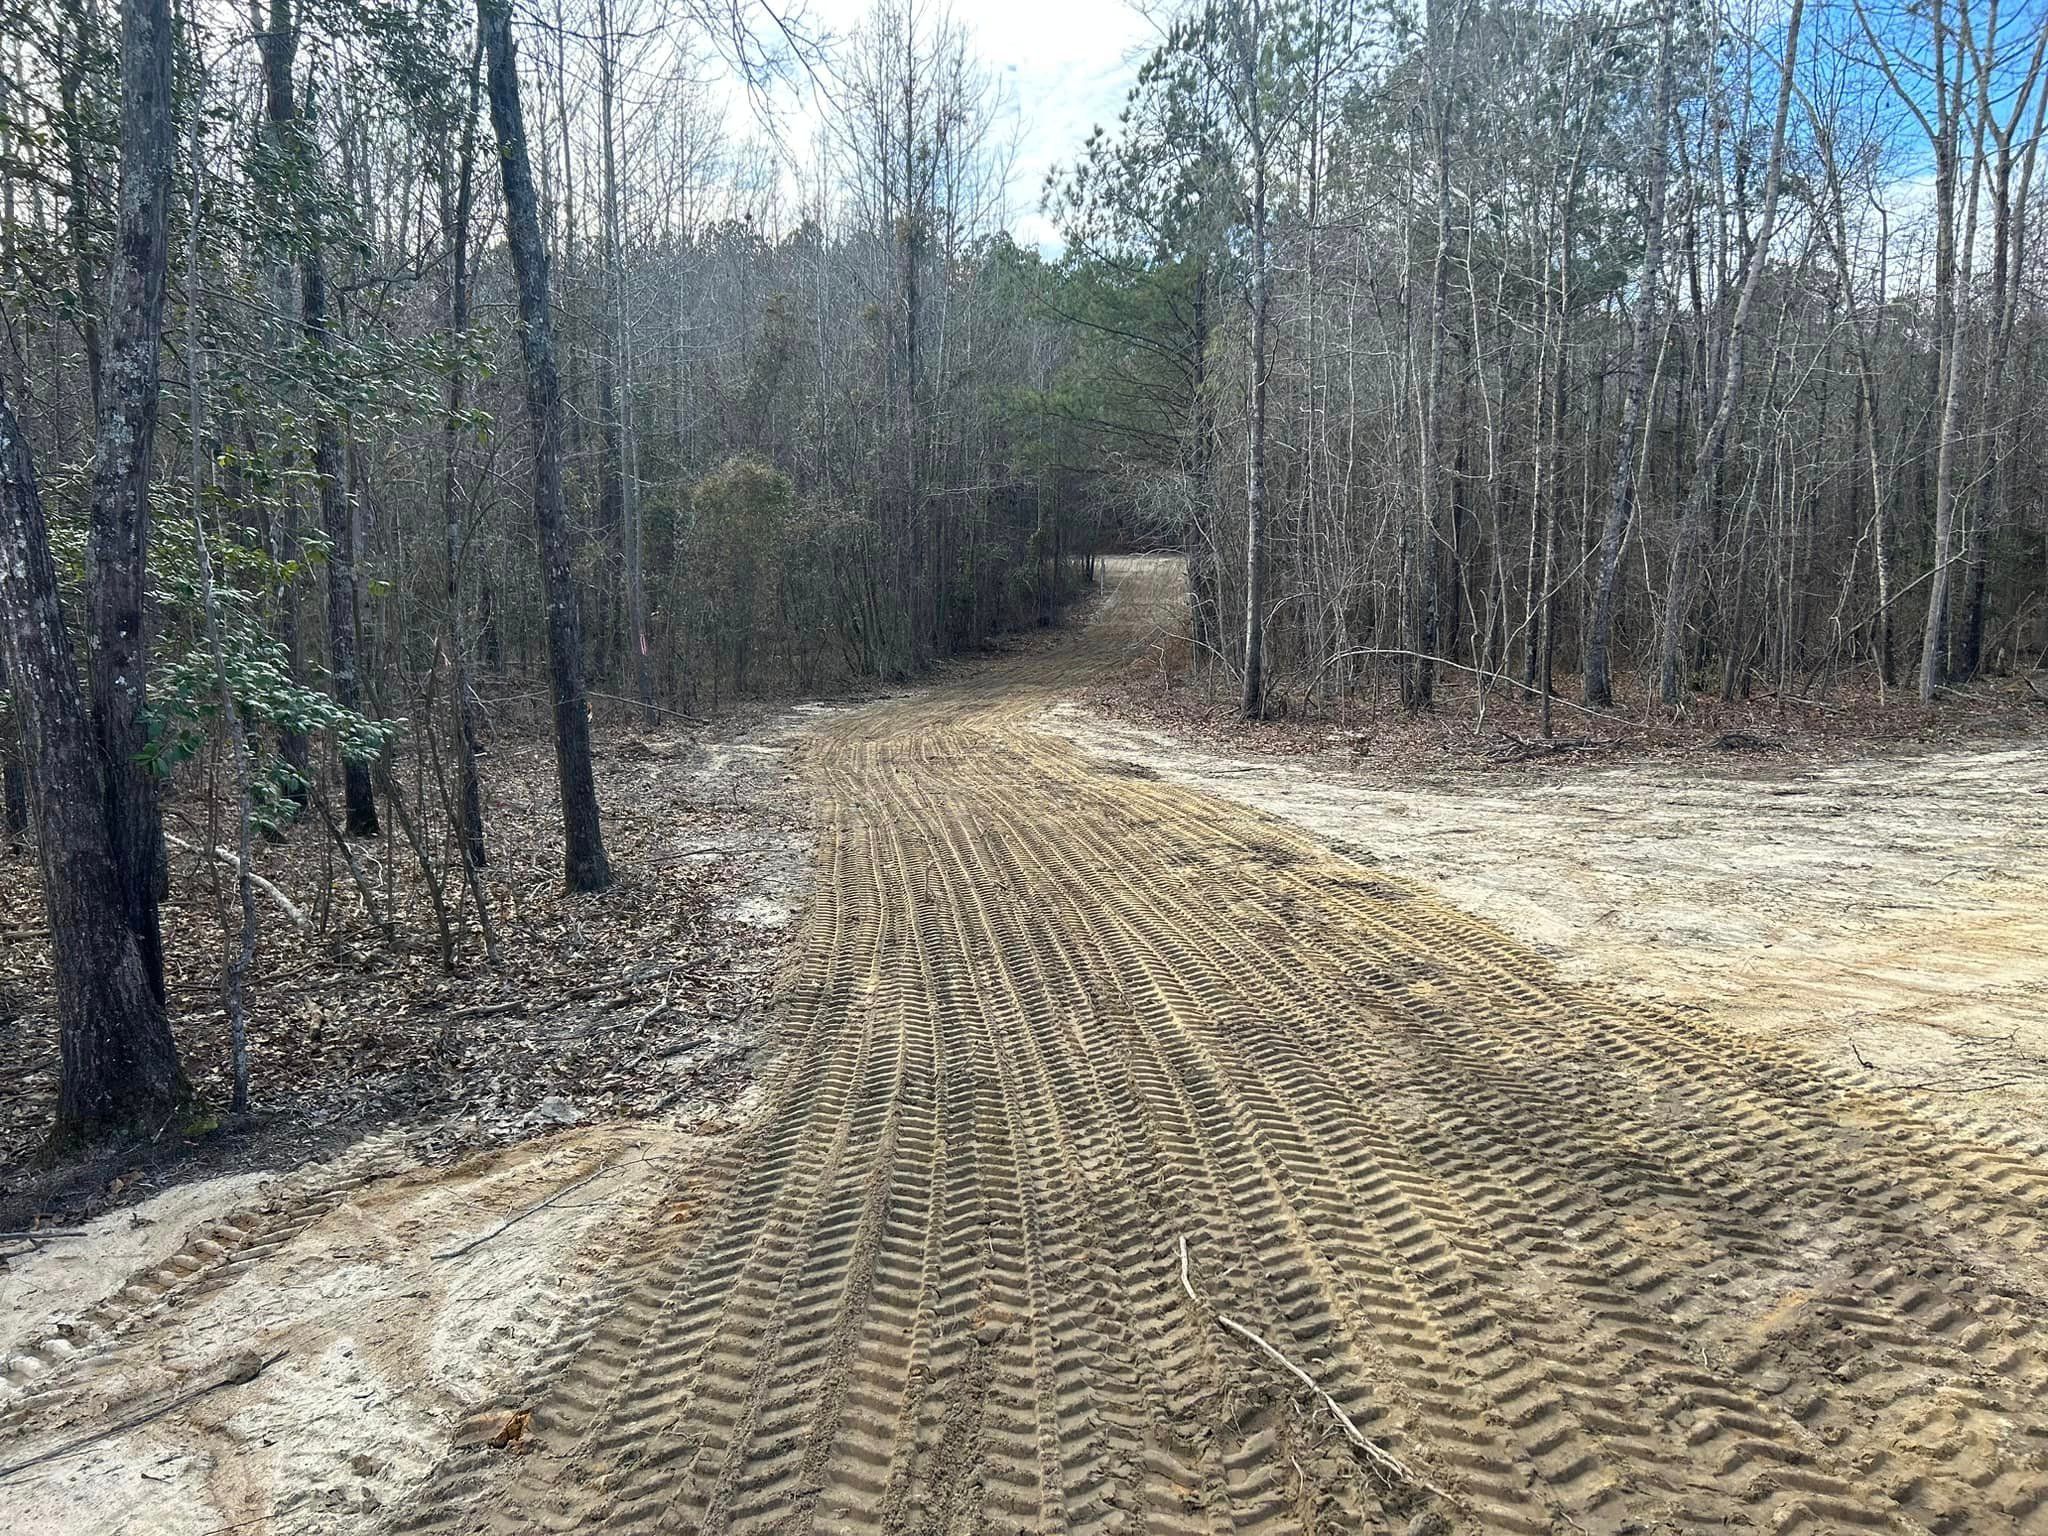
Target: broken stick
[[541, 1205], [226, 856], [246, 1366], [1389, 1465]]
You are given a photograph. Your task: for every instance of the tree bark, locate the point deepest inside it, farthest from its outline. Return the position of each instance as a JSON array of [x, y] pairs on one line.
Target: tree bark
[[586, 866], [1252, 702], [1953, 258], [2009, 213], [1714, 443], [1599, 682], [277, 41], [120, 1070], [1205, 621], [609, 644], [621, 443], [242, 958], [72, 122], [1418, 672], [338, 522], [15, 771], [457, 217], [121, 474]]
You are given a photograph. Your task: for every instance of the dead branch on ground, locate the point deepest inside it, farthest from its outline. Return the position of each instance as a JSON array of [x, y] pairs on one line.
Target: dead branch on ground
[[226, 856], [1389, 1466], [541, 1205]]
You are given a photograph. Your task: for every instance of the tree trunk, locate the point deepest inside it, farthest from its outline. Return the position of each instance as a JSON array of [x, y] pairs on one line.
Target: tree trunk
[[586, 866], [2008, 217], [1955, 342], [1551, 500], [235, 974], [1865, 433], [1951, 286], [277, 40], [1252, 703], [469, 788], [121, 475], [1418, 673], [909, 552], [120, 1070], [11, 765], [1204, 619], [622, 452], [338, 522], [1599, 682], [489, 644], [1714, 443], [72, 123]]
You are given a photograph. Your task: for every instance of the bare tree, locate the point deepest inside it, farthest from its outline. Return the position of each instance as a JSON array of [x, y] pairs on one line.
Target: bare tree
[[585, 864], [120, 1065], [1599, 686], [100, 840], [1727, 391], [123, 463], [458, 200]]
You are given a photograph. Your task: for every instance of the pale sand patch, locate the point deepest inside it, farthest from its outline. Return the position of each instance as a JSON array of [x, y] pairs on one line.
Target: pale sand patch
[[380, 1345], [1887, 910]]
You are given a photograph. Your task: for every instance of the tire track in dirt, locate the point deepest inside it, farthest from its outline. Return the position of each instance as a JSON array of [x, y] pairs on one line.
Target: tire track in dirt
[[219, 1252], [1583, 1264]]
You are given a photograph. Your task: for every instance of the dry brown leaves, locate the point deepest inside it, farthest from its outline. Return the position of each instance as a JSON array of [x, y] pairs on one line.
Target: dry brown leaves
[[1500, 729], [640, 1000]]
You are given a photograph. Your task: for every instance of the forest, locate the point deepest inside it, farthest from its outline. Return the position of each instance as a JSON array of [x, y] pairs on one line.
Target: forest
[[372, 366], [1564, 345], [1237, 765]]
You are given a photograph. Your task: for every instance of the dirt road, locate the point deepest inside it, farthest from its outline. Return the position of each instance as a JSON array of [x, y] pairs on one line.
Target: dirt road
[[1581, 1265]]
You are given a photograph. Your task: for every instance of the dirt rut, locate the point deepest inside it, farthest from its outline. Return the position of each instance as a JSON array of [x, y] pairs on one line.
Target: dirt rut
[[1582, 1265]]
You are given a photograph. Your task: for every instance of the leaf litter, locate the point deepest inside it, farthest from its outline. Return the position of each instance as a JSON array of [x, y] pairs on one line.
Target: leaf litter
[[441, 1170]]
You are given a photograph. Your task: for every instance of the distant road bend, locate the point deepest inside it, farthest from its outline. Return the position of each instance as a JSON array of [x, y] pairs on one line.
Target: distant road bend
[[1579, 1264]]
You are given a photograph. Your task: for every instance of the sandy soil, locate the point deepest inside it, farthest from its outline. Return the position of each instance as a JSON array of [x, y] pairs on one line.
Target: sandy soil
[[1885, 911], [380, 1296], [1078, 1061], [43, 1291], [1519, 1118], [378, 1326]]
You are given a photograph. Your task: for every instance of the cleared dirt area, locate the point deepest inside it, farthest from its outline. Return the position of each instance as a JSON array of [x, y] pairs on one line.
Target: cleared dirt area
[[1578, 1261], [1075, 1062], [1886, 911], [370, 1303]]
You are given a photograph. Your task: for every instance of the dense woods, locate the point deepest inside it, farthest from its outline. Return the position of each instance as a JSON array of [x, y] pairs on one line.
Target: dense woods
[[512, 360], [372, 366], [1679, 347]]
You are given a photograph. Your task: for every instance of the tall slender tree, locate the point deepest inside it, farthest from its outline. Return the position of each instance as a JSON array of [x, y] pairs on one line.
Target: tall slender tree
[[1621, 501], [277, 44], [458, 204], [330, 469], [585, 864], [1727, 393], [120, 1070], [123, 463]]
